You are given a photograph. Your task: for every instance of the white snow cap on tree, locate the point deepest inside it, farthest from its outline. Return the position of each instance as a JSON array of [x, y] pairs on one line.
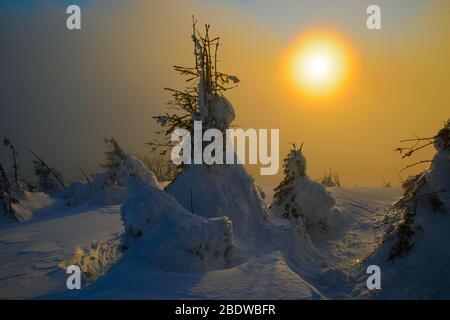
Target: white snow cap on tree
[[222, 112]]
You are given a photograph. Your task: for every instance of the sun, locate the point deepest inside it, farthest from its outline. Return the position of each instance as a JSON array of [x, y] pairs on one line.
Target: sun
[[320, 63]]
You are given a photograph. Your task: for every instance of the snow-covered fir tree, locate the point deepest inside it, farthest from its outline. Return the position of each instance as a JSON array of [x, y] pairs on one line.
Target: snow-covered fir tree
[[430, 188], [294, 166], [212, 190], [298, 198], [202, 100], [120, 166], [50, 180], [330, 179], [115, 159]]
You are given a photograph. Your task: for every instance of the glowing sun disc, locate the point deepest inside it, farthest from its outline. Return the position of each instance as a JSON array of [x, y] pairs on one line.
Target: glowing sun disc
[[319, 63]]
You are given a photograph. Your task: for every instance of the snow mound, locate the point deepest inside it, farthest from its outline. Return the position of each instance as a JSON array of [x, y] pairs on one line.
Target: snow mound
[[159, 230], [27, 205], [111, 195], [226, 190], [317, 205], [266, 277], [110, 188], [96, 259], [134, 168]]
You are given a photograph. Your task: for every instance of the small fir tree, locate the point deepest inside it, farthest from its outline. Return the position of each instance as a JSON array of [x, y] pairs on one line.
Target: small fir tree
[[202, 99], [115, 158], [50, 181], [294, 166]]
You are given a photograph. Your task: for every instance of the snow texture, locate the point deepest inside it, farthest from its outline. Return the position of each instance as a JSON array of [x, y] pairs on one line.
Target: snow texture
[[33, 251], [159, 230], [226, 190]]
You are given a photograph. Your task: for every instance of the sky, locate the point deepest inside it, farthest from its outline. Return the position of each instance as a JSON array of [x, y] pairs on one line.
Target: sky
[[62, 92]]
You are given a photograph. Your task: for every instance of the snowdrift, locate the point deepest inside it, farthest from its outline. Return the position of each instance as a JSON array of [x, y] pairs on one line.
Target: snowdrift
[[110, 188], [28, 205], [211, 219], [161, 232], [226, 190], [266, 277]]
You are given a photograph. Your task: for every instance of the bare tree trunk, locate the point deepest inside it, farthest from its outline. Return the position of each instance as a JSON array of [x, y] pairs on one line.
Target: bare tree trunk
[[85, 175]]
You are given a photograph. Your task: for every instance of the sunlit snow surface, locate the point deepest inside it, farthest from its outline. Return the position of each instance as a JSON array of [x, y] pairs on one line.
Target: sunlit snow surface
[[31, 251]]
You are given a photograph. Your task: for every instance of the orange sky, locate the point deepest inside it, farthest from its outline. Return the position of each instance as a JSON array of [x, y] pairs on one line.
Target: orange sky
[[110, 79]]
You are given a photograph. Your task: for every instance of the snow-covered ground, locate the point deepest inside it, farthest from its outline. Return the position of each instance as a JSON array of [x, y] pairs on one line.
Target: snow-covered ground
[[31, 252], [364, 209]]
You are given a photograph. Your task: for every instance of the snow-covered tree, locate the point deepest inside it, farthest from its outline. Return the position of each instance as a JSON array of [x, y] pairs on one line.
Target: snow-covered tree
[[330, 179], [414, 252], [300, 199], [294, 166], [111, 186], [115, 159], [429, 189], [120, 166], [212, 190], [50, 180], [202, 99]]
